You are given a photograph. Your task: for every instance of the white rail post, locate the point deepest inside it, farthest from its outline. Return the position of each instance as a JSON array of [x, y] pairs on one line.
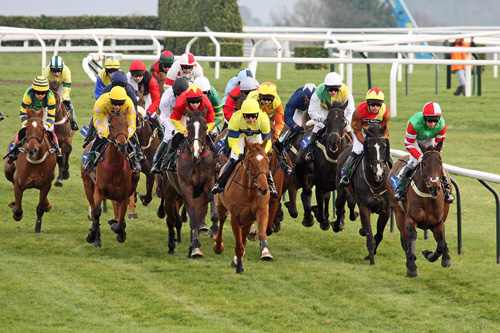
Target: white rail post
[[495, 68], [349, 71], [44, 51], [393, 89], [157, 44], [278, 65], [56, 44], [191, 42], [217, 51]]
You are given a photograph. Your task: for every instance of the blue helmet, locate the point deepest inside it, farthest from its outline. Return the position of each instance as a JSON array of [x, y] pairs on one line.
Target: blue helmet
[[245, 72], [119, 79]]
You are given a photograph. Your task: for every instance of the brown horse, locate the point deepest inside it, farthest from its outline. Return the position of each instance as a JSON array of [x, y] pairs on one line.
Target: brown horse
[[424, 208], [194, 177], [112, 178], [367, 189], [34, 167], [62, 128], [246, 197]]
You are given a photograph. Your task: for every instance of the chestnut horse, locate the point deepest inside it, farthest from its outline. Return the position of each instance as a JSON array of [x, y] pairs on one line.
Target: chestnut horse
[[194, 178], [246, 197], [424, 208], [366, 188], [62, 128], [34, 167], [112, 178]]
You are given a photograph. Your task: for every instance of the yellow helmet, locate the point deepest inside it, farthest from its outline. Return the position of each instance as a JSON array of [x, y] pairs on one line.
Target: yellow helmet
[[375, 94], [112, 63], [250, 106], [267, 88], [40, 83], [118, 95]]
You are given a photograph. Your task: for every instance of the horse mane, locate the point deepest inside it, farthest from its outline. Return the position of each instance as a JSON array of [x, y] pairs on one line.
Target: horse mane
[[374, 131]]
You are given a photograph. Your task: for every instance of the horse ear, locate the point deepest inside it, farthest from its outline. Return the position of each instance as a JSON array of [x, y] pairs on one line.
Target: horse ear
[[108, 112], [126, 111], [188, 112], [344, 105], [422, 147], [328, 104], [204, 113], [439, 146]]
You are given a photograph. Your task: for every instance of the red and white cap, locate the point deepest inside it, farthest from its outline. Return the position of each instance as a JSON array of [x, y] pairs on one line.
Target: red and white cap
[[187, 59], [432, 109]]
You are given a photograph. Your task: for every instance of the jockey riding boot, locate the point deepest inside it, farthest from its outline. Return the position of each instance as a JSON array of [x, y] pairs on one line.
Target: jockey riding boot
[[92, 156], [282, 158], [138, 150], [310, 148], [404, 176], [220, 184], [56, 148], [158, 161], [448, 196], [272, 187], [90, 133], [346, 174], [1, 116], [12, 154], [156, 124], [71, 111], [172, 148]]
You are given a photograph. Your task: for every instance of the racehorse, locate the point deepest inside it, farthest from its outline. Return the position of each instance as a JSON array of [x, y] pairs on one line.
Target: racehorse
[[321, 173], [34, 167], [424, 208], [62, 128], [246, 197], [194, 177], [367, 188], [112, 178]]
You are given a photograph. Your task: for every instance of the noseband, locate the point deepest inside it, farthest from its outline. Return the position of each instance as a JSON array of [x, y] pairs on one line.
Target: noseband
[[429, 180], [253, 178]]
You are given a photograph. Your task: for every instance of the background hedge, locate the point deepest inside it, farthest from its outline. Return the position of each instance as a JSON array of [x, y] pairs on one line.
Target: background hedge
[[310, 52]]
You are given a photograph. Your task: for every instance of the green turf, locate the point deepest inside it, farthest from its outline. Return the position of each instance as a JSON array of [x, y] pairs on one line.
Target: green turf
[[55, 281]]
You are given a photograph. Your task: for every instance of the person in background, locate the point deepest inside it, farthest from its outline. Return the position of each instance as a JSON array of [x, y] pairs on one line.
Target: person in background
[[295, 108], [214, 98], [236, 81], [111, 65], [460, 69], [429, 128], [160, 68], [242, 90], [186, 67], [58, 71], [372, 111]]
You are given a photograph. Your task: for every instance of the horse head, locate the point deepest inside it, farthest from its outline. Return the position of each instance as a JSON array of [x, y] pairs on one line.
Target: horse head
[[197, 132], [118, 130], [377, 151], [431, 167], [140, 97], [35, 132], [335, 125], [256, 164]]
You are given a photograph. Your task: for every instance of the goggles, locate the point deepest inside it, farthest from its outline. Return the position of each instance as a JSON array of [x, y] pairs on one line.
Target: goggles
[[431, 119], [56, 70], [186, 66], [250, 115], [333, 88], [375, 104], [117, 103], [40, 93], [194, 100]]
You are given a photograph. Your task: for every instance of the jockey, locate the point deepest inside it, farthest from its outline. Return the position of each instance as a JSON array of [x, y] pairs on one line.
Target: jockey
[[370, 112], [167, 104], [270, 103], [429, 128], [36, 97], [214, 98], [119, 79], [236, 81], [162, 65], [246, 86], [332, 89], [111, 65], [58, 71], [294, 110], [189, 101], [250, 123], [115, 101], [185, 67], [142, 81]]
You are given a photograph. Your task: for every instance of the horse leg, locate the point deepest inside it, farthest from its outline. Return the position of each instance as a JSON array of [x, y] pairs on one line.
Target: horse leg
[[40, 208], [291, 204], [239, 248], [218, 246], [442, 247], [308, 220], [170, 221], [411, 253], [262, 218], [351, 203], [338, 224], [17, 207], [326, 204], [383, 217], [94, 236], [67, 149], [132, 207], [278, 219], [252, 234], [273, 209], [119, 229], [178, 225], [320, 213], [146, 199], [161, 209], [214, 217], [194, 249], [366, 230], [59, 180], [201, 204]]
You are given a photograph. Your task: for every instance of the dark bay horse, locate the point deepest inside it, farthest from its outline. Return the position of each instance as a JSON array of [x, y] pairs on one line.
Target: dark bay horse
[[367, 188], [194, 177], [62, 128], [322, 172], [246, 197], [34, 168], [112, 178], [424, 208]]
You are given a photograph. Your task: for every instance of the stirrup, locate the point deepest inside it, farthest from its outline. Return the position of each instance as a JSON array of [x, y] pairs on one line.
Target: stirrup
[[448, 197], [309, 157], [217, 189], [344, 180], [399, 196]]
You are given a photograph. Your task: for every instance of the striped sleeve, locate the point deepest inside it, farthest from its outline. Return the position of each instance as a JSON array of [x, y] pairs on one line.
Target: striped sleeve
[[411, 138], [51, 111]]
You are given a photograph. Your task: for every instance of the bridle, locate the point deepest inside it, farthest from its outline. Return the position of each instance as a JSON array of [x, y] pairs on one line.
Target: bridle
[[111, 137], [253, 177], [40, 140], [429, 180]]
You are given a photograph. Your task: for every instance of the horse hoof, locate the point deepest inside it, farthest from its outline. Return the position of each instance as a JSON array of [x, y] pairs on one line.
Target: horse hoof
[[338, 226], [354, 216], [362, 232], [132, 216], [233, 262], [307, 224], [121, 237], [161, 213], [212, 233], [145, 200], [47, 208], [252, 236], [38, 227], [171, 251], [428, 255], [269, 232], [412, 272], [293, 212], [203, 230], [90, 238], [17, 216], [277, 227], [113, 224], [446, 263], [65, 174], [266, 255], [325, 226], [97, 244], [12, 204], [196, 253], [58, 183], [218, 249]]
